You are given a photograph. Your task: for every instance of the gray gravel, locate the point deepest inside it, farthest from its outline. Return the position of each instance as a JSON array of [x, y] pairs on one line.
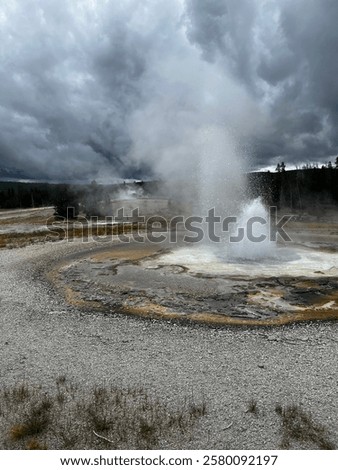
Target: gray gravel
[[41, 338]]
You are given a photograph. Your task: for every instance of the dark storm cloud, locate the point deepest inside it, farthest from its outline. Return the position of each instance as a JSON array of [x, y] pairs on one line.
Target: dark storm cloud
[[223, 28], [68, 80], [105, 89], [289, 48], [305, 112]]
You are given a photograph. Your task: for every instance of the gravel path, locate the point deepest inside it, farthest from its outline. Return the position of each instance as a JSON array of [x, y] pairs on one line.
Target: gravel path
[[41, 338]]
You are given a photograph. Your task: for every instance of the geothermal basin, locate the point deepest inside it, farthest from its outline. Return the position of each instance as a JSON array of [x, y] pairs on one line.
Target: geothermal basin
[[297, 281]]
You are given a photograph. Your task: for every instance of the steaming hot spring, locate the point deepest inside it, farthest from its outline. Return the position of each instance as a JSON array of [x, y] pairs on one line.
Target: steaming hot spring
[[245, 282], [251, 283]]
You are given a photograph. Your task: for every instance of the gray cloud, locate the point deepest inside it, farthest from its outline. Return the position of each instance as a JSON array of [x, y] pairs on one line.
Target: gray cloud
[[95, 89], [288, 48]]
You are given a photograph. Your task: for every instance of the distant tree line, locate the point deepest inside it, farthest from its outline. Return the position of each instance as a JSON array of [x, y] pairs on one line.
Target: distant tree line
[[21, 195], [296, 189], [92, 199], [310, 166]]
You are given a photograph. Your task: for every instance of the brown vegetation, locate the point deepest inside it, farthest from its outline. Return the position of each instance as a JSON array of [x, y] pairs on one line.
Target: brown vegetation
[[104, 417]]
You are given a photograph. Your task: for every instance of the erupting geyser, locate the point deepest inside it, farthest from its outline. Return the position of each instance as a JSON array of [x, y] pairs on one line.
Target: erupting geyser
[[236, 276], [253, 233], [239, 278], [221, 183], [222, 189]]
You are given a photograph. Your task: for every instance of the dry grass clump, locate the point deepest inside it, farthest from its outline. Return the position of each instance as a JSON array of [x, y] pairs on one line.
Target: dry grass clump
[[99, 418], [252, 406], [299, 426], [34, 421]]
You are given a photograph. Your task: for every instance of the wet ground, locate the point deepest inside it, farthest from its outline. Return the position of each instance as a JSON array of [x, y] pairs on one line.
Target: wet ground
[[198, 283]]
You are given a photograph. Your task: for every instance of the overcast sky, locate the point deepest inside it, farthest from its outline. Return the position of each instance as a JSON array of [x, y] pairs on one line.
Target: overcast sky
[[107, 88]]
